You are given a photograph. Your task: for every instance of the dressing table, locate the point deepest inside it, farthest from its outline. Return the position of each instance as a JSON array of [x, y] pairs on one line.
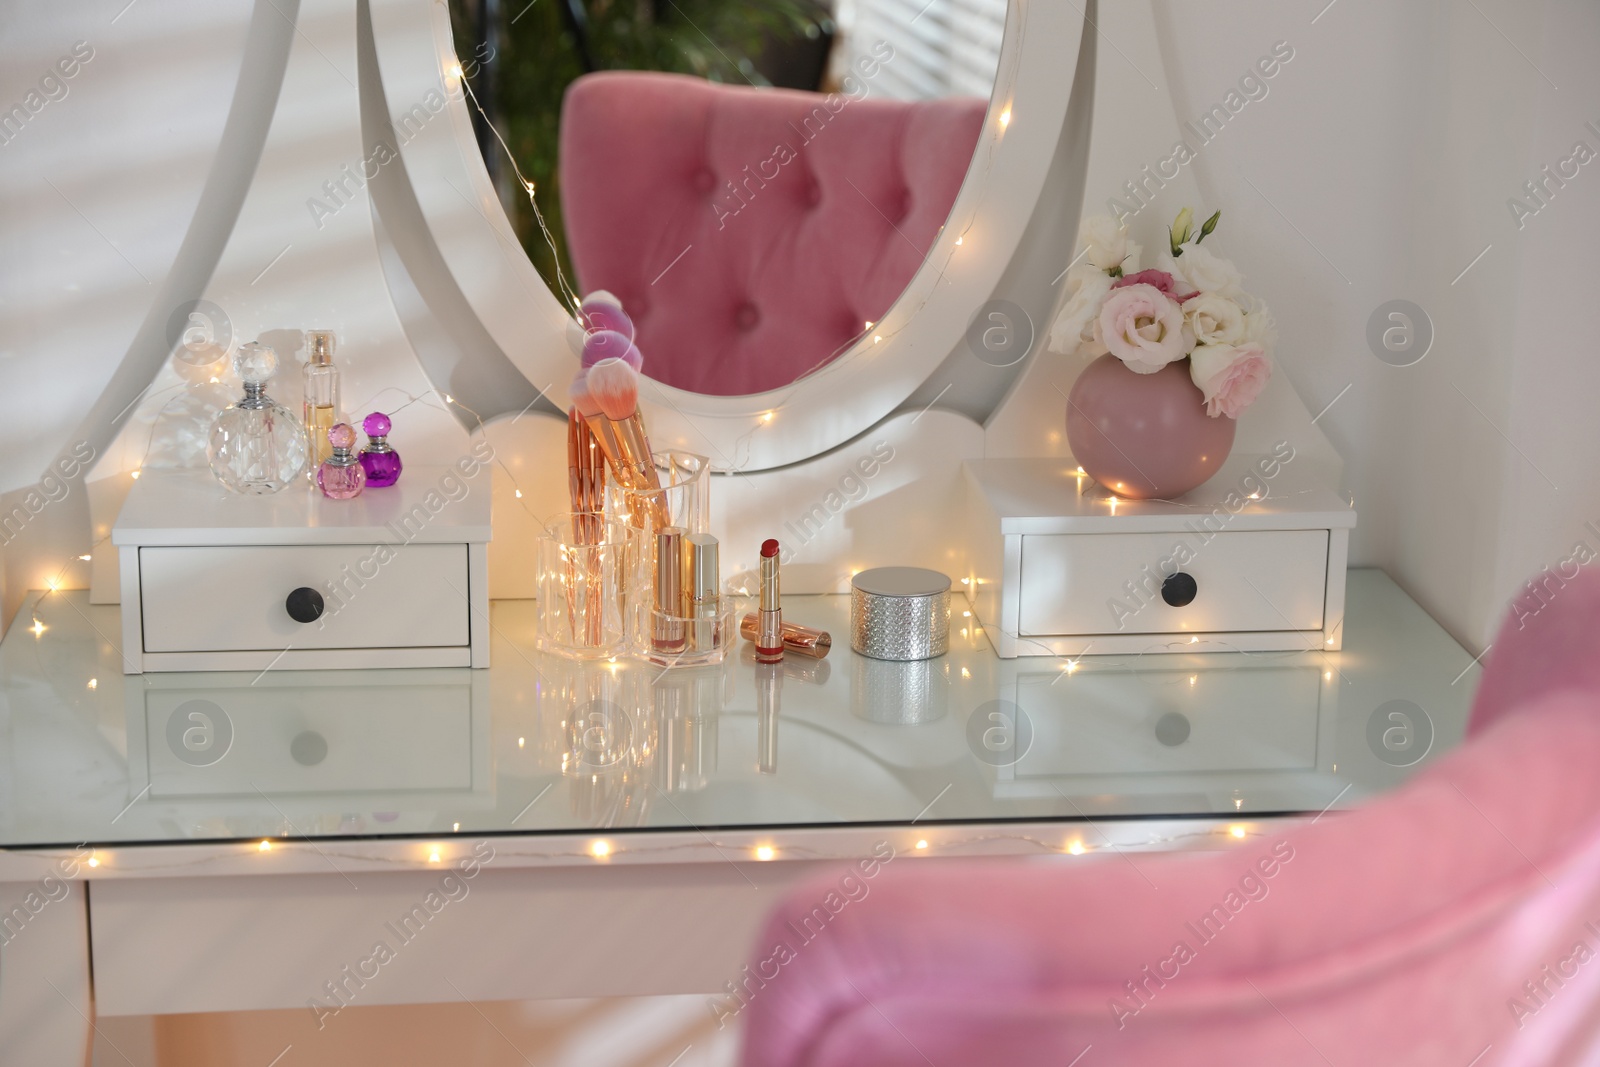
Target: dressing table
[[234, 841], [246, 839]]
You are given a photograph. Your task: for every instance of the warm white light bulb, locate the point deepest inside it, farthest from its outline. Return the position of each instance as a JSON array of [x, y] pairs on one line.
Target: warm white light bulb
[[765, 852], [265, 846], [921, 845], [600, 850]]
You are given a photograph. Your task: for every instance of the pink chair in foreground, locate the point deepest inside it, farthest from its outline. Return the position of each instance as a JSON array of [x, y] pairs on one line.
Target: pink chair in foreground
[[753, 233], [1454, 922]]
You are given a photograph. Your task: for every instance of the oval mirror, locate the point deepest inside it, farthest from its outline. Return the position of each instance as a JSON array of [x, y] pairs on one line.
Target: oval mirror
[[757, 181]]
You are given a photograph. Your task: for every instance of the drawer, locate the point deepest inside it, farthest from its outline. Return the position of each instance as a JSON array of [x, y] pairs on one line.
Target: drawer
[[287, 739], [224, 599], [1087, 584]]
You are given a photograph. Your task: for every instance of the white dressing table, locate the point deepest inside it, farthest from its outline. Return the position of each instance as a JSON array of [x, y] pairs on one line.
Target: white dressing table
[[244, 859]]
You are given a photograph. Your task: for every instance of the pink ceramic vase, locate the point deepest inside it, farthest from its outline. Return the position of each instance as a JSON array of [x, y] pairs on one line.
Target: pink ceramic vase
[[1144, 436]]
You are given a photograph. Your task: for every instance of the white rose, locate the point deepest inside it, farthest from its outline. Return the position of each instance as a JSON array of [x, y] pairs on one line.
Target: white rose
[[1203, 271], [1087, 286], [1108, 244], [1259, 327], [1143, 327], [1215, 319]]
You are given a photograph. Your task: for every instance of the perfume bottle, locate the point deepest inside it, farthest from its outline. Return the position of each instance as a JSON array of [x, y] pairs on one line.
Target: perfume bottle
[[321, 409], [256, 445], [378, 459], [341, 475]]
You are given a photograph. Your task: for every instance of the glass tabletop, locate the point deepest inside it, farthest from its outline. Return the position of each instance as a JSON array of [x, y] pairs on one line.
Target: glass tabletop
[[540, 745]]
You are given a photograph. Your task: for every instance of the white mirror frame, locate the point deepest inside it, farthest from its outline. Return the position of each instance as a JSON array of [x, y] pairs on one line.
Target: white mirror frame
[[843, 400]]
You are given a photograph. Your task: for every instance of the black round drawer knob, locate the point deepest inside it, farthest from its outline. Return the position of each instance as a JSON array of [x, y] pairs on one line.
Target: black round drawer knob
[[1179, 589], [304, 604]]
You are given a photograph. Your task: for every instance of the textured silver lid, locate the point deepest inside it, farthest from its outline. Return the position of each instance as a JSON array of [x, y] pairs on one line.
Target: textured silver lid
[[900, 613]]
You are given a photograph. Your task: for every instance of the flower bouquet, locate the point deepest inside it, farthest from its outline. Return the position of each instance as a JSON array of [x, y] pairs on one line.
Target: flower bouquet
[[1181, 351]]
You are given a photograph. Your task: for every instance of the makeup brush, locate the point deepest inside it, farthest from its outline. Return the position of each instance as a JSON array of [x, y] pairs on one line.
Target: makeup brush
[[613, 386]]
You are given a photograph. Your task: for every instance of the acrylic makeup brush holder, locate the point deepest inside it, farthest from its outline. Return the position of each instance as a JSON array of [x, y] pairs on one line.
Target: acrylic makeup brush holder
[[669, 639], [684, 498], [661, 635], [587, 569]]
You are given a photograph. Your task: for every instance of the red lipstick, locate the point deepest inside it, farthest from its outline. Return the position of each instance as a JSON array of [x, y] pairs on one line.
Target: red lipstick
[[769, 621]]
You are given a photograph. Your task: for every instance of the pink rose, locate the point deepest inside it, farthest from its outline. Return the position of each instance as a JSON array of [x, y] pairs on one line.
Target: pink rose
[[1230, 377], [1143, 327], [1160, 279]]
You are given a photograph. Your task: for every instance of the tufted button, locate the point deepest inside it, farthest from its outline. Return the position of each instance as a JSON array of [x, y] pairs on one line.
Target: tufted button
[[813, 194], [746, 317], [704, 180], [902, 207]]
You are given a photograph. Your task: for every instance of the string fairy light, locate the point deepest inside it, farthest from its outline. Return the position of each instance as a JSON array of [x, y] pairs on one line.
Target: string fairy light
[[567, 292]]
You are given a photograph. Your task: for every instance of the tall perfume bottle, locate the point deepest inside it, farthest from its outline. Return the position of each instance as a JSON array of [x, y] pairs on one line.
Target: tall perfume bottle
[[321, 410], [256, 445], [341, 475], [378, 459]]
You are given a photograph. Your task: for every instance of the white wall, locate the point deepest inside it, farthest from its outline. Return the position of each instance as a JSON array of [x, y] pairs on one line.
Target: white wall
[[1377, 168]]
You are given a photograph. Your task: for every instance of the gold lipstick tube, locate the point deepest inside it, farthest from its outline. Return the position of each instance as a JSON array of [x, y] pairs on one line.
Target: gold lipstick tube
[[801, 640], [667, 628], [769, 621], [705, 604]]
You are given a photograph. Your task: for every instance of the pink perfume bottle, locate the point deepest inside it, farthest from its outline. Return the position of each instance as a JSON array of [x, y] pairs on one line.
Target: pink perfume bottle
[[341, 475], [378, 459]]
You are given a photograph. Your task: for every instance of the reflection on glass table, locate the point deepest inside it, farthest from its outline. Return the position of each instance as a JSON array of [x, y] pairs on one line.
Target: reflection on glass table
[[539, 745]]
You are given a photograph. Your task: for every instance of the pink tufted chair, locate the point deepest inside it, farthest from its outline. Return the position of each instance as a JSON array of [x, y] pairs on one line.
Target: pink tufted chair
[[753, 233], [1454, 922]]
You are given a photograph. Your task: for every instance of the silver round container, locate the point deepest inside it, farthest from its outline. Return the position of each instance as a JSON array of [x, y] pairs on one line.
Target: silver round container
[[900, 613]]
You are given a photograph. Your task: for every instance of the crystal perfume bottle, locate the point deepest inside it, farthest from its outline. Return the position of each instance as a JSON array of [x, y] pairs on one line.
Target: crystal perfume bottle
[[321, 408], [256, 445], [379, 459], [341, 475]]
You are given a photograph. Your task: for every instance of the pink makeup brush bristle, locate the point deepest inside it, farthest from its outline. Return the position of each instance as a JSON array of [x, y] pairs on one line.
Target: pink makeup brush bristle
[[582, 398], [614, 385]]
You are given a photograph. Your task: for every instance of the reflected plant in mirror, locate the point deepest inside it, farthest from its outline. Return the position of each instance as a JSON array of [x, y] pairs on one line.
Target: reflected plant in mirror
[[756, 181]]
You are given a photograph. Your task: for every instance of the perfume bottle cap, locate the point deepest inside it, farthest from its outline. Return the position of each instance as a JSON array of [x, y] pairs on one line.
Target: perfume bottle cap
[[319, 343], [376, 425], [341, 435], [255, 362]]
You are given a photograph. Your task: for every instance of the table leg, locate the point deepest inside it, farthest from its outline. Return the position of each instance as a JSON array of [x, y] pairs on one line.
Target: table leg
[[46, 1008]]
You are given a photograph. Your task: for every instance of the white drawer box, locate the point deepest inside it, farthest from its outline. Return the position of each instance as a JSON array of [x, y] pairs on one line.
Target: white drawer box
[[214, 580], [1249, 581], [414, 601], [1254, 560]]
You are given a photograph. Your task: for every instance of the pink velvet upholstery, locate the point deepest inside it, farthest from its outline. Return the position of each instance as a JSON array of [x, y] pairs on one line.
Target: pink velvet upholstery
[[1402, 932], [799, 217]]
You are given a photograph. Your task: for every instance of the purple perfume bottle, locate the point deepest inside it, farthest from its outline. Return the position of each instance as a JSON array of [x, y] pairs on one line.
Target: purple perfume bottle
[[381, 462], [341, 476]]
